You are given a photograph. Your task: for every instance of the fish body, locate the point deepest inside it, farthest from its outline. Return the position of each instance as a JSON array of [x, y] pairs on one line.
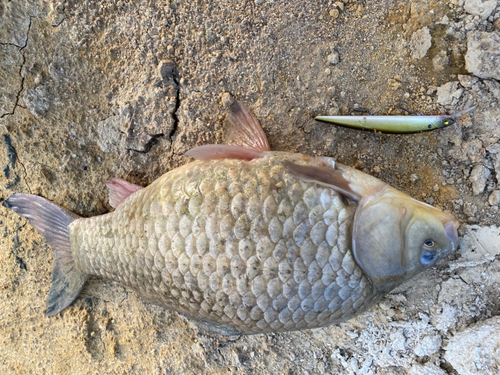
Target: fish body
[[234, 243], [246, 240]]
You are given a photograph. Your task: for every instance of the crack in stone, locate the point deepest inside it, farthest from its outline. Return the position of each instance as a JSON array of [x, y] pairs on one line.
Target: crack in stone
[[175, 118], [16, 103], [176, 108], [21, 48]]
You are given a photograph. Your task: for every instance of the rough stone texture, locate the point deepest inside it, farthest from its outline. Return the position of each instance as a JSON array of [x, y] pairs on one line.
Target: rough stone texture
[[89, 65], [476, 350], [478, 178], [449, 93], [10, 80], [420, 43], [481, 8], [494, 151], [494, 198], [482, 58]]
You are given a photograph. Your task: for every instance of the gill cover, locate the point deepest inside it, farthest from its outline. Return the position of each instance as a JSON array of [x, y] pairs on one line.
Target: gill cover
[[395, 237]]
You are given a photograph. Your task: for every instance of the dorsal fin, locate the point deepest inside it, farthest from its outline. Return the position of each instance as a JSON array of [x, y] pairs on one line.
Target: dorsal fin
[[119, 190], [244, 130], [212, 152], [326, 176]]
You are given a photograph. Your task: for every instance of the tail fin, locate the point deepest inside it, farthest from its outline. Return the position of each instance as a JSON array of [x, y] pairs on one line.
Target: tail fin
[[52, 221]]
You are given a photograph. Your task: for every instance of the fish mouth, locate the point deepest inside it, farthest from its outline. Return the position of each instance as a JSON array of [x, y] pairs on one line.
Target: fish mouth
[[451, 229]]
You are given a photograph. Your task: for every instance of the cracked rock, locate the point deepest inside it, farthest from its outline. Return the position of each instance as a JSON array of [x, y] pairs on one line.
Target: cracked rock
[[476, 350], [483, 58], [478, 177], [142, 120], [10, 80], [15, 22]]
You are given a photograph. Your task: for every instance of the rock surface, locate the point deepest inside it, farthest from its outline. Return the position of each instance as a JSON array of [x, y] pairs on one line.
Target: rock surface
[[476, 350], [92, 90], [482, 58], [481, 8], [420, 43]]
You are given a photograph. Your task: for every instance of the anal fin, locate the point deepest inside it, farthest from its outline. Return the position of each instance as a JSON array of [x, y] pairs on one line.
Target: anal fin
[[119, 190]]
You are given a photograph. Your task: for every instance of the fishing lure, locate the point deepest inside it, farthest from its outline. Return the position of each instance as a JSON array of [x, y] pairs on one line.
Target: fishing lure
[[395, 124]]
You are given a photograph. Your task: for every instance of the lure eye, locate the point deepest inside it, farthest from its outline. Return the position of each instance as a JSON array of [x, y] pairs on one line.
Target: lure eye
[[427, 256]]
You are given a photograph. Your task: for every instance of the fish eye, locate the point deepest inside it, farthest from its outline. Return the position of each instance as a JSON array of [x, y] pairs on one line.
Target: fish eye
[[427, 256], [446, 122], [429, 244]]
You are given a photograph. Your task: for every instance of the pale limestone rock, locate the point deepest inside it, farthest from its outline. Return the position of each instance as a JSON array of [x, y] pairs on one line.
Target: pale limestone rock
[[481, 8], [448, 93], [483, 58], [476, 350], [420, 43], [478, 177]]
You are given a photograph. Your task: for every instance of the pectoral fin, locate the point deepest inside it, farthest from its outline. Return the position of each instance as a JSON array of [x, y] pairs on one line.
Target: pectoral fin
[[326, 176]]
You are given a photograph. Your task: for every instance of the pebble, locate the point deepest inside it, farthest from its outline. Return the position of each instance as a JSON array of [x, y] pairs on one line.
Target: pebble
[[481, 8], [333, 58], [470, 209], [334, 13], [420, 43], [478, 178], [482, 58], [227, 100], [494, 198]]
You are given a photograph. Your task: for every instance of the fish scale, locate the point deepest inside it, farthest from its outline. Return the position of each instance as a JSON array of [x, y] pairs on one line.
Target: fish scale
[[238, 244]]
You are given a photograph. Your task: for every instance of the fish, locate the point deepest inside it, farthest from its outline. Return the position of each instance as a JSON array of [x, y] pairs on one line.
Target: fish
[[395, 124], [245, 240]]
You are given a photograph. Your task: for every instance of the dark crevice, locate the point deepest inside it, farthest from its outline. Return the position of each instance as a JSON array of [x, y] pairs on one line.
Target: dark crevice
[[11, 44], [169, 75], [21, 48], [176, 108], [447, 367], [149, 144]]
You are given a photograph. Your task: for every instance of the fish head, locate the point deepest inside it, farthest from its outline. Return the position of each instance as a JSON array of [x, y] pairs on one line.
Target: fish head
[[395, 237]]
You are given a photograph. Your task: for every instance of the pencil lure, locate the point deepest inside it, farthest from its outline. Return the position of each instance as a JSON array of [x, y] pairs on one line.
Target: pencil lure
[[395, 124]]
